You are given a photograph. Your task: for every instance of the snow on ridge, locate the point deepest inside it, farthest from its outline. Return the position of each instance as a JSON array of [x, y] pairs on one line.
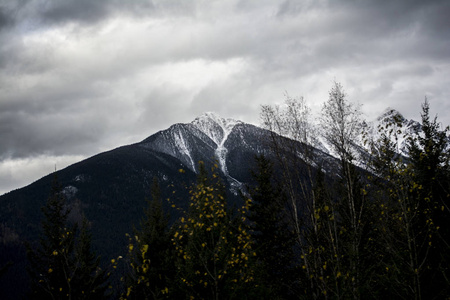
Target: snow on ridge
[[390, 113], [215, 127], [69, 191], [401, 128], [218, 129], [182, 147]]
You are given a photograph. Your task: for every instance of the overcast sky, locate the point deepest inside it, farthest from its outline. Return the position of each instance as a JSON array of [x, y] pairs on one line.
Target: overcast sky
[[78, 77]]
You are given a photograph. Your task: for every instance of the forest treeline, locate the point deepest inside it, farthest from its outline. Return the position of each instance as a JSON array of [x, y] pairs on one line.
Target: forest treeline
[[374, 230]]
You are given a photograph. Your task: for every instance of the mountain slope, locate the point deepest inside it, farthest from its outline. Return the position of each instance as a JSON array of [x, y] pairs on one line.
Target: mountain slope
[[110, 188], [213, 140], [120, 178]]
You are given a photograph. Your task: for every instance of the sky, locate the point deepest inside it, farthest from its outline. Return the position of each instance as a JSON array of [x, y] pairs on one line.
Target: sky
[[78, 77]]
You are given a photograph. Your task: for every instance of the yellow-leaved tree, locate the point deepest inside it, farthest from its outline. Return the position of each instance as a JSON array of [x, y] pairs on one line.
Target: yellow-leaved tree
[[213, 244]]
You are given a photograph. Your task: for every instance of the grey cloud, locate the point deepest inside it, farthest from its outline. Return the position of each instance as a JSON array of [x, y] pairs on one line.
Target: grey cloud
[[436, 22], [160, 106], [5, 19], [55, 116], [87, 12], [362, 27], [53, 12], [31, 134], [9, 11], [80, 10]]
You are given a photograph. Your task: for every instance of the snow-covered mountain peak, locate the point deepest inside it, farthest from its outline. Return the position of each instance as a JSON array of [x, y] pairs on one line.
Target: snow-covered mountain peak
[[207, 118], [391, 114], [214, 126], [218, 129], [392, 117]]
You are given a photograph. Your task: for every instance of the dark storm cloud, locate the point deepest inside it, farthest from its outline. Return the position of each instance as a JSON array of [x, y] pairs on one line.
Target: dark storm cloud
[[57, 117], [88, 12], [80, 10], [356, 28], [5, 19], [34, 134], [54, 12]]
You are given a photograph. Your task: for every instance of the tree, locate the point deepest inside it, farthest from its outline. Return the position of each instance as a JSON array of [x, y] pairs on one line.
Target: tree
[[410, 202], [320, 256], [292, 140], [63, 266], [273, 239], [396, 206], [213, 245], [341, 124], [150, 253], [329, 224], [89, 280], [429, 160]]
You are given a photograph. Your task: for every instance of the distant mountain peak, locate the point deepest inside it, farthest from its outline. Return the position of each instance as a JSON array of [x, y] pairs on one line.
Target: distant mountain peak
[[391, 114], [214, 126], [226, 123]]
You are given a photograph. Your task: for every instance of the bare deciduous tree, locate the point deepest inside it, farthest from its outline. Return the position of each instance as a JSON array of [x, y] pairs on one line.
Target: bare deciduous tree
[[341, 124]]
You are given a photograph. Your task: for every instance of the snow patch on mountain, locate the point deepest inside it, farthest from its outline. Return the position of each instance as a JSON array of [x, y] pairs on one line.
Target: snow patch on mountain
[[398, 126], [218, 129], [190, 142], [181, 144], [69, 191], [390, 121], [214, 126]]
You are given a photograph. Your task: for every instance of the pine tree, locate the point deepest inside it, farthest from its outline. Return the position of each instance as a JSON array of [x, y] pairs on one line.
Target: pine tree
[[408, 198], [273, 239], [52, 262], [429, 159], [150, 254], [90, 280], [60, 267]]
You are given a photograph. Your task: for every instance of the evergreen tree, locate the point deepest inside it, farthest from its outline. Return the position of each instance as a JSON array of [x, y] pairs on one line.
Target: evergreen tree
[[51, 263], [430, 169], [273, 239], [60, 267], [409, 207], [89, 280], [392, 214], [151, 256]]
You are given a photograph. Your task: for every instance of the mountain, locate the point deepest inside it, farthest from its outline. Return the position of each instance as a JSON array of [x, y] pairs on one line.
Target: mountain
[[209, 138], [400, 128], [111, 188], [104, 185], [404, 126]]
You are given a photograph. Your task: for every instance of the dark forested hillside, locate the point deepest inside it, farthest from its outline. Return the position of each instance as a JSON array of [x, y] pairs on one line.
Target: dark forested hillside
[[109, 189]]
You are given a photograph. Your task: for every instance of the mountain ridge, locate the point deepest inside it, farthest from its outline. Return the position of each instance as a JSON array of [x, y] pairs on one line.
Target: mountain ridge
[[111, 188]]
